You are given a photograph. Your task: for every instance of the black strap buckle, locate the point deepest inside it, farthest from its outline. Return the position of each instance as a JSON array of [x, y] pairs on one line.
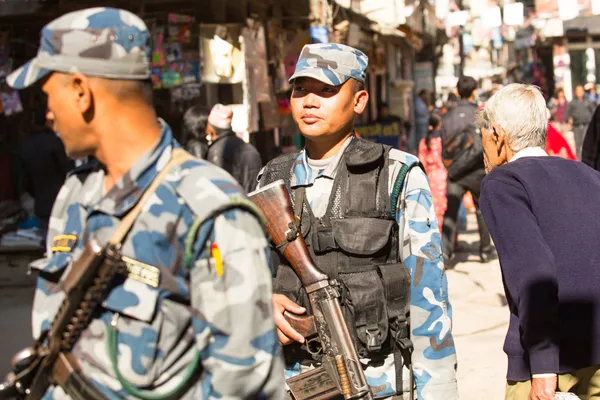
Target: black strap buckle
[[400, 333], [373, 338]]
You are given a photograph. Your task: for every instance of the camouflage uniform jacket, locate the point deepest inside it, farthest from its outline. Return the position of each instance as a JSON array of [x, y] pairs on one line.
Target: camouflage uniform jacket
[[167, 313], [434, 357]]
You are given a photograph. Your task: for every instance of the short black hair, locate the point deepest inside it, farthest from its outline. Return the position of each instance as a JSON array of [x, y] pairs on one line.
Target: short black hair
[[195, 120], [126, 90], [435, 120], [466, 86], [357, 85]]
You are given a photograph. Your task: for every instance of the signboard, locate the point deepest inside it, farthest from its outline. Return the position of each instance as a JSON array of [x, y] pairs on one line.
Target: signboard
[[457, 18], [424, 76], [388, 133], [514, 14], [491, 17], [567, 10]]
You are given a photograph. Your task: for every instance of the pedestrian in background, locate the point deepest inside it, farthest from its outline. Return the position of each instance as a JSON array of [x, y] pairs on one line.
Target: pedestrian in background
[[195, 121], [542, 213], [421, 120], [228, 151], [579, 114], [463, 157], [591, 93], [430, 155], [558, 109], [590, 153]]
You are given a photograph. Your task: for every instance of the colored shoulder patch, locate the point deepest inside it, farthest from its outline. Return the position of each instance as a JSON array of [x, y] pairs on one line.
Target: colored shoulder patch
[[141, 272], [63, 243], [403, 157]]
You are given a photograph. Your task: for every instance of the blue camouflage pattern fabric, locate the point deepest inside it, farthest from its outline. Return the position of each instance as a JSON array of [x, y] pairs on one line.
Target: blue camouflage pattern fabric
[[434, 356], [331, 63], [167, 314], [102, 41]]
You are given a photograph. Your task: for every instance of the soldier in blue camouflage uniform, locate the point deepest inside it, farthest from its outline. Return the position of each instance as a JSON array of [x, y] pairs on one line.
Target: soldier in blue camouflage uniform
[[328, 93], [215, 312]]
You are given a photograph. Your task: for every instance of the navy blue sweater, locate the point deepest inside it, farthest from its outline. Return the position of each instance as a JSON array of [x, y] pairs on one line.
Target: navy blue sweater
[[544, 216]]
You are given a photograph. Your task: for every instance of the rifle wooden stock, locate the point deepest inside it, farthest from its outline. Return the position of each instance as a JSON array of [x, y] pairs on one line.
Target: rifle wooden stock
[[274, 202], [303, 324]]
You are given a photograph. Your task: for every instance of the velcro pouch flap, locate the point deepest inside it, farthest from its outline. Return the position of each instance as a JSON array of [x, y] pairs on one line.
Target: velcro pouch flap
[[362, 236]]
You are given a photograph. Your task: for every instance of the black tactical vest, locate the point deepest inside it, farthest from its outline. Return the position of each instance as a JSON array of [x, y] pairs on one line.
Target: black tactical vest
[[355, 243]]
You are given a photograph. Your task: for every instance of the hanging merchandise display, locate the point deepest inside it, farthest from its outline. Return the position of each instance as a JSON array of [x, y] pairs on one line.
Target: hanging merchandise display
[[175, 57], [11, 101], [223, 60], [255, 53]]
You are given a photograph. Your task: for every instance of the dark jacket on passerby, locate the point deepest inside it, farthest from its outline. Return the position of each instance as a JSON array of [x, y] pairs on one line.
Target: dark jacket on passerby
[[542, 213], [197, 147], [461, 141], [237, 157], [590, 153], [581, 111], [45, 166]]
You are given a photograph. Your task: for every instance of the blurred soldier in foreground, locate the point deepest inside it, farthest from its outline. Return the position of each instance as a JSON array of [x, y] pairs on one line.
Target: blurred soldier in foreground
[[190, 315], [367, 215], [542, 214]]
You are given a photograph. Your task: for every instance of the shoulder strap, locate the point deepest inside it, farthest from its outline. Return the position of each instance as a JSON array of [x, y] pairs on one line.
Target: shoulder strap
[[178, 157], [239, 203], [397, 188]]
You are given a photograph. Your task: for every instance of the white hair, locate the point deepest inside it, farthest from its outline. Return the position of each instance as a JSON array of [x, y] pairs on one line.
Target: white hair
[[520, 110]]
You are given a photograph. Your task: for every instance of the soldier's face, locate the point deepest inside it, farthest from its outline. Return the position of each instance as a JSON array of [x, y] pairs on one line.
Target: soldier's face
[[322, 110], [68, 112]]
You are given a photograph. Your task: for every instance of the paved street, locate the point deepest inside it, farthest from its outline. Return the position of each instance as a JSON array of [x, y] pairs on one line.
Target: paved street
[[480, 319]]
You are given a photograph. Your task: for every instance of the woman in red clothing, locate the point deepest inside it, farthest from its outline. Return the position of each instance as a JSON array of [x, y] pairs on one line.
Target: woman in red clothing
[[430, 155], [556, 145]]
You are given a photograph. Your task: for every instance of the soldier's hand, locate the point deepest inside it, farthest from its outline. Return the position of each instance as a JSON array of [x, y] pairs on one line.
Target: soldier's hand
[[285, 332], [543, 388]]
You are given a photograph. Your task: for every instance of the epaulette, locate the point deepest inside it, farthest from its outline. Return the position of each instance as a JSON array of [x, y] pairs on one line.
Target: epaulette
[[403, 157], [204, 187]]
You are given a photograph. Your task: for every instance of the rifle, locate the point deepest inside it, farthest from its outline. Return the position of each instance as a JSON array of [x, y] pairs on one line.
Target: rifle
[[50, 361], [341, 371]]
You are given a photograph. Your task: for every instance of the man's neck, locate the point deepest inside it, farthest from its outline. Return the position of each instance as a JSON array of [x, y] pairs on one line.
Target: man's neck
[[125, 141], [325, 147]]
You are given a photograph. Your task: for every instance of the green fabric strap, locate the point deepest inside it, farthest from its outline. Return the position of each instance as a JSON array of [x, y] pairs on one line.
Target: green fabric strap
[[112, 339], [398, 188], [112, 332], [236, 203]]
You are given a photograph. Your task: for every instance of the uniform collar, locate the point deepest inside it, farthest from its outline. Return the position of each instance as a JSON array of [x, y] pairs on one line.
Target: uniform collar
[[303, 175], [529, 152], [128, 190]]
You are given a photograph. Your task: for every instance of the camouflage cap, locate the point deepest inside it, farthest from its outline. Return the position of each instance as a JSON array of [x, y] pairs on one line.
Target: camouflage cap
[[104, 42], [331, 63]]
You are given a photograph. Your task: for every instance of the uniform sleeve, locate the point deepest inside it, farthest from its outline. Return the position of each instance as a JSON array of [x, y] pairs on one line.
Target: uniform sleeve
[[528, 268], [233, 317], [434, 356]]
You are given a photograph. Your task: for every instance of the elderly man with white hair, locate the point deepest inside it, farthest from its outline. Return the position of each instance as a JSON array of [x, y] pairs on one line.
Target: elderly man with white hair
[[543, 215]]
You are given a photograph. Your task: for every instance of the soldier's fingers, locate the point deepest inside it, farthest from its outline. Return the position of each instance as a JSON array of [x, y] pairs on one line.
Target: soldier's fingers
[[289, 305], [284, 340], [286, 329]]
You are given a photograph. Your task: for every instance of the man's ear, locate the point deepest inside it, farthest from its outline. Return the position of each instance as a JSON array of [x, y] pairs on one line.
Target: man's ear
[[501, 140], [361, 99], [82, 90]]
